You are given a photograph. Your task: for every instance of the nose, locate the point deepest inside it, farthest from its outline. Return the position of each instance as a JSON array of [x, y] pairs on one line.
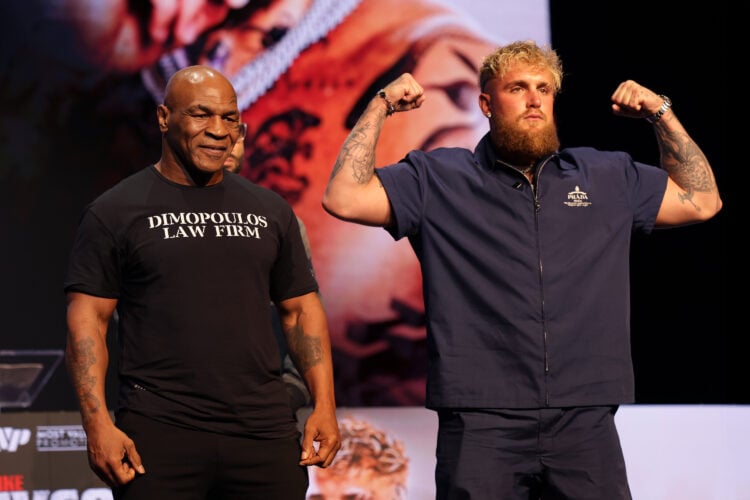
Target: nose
[[535, 99], [218, 127]]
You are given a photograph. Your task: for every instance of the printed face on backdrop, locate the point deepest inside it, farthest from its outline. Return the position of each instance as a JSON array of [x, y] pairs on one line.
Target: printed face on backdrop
[[371, 465], [311, 82]]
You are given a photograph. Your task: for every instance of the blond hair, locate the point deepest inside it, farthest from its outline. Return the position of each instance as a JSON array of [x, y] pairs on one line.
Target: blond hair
[[496, 64]]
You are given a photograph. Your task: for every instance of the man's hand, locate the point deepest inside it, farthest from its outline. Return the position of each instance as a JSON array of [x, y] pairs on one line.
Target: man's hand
[[404, 93], [635, 101], [322, 428], [112, 456]]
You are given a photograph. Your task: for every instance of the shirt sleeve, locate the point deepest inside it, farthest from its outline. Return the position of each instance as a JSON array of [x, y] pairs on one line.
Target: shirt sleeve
[[292, 275], [648, 185], [404, 184], [93, 264]]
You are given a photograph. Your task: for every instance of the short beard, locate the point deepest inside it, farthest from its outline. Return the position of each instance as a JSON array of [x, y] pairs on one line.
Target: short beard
[[523, 148]]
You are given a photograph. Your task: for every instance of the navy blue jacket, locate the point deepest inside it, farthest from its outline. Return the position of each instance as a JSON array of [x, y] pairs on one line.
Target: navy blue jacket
[[526, 288]]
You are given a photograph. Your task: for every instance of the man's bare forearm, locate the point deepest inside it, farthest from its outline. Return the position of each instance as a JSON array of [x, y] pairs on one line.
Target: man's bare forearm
[[86, 354], [684, 160], [305, 329], [357, 155], [354, 192], [306, 350], [84, 359]]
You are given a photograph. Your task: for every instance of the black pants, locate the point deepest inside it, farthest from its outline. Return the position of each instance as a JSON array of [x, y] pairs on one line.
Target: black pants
[[184, 464], [563, 453]]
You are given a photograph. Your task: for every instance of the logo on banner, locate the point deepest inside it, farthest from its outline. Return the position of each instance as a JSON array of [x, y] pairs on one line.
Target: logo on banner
[[60, 438], [11, 438]]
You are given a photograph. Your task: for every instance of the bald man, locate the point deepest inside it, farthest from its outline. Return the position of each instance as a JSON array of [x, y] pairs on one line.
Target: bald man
[[190, 258]]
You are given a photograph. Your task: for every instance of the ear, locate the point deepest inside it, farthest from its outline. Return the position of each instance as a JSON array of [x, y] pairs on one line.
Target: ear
[[484, 103], [162, 116]]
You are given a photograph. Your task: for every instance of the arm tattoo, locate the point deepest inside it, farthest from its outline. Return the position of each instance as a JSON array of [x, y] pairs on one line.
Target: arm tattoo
[[84, 381], [305, 350], [358, 151], [686, 164]]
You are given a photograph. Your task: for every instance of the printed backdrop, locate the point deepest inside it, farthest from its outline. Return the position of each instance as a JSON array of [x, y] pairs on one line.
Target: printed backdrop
[[80, 93], [79, 81]]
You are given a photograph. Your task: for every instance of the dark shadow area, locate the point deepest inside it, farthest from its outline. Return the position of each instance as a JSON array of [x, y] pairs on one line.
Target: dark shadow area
[[681, 341]]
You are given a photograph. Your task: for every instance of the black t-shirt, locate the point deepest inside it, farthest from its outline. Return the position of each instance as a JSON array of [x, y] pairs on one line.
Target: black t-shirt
[[194, 270]]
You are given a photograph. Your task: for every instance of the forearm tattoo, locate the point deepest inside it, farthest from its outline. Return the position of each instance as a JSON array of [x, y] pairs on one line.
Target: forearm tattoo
[[80, 361], [686, 164], [306, 351], [358, 152]]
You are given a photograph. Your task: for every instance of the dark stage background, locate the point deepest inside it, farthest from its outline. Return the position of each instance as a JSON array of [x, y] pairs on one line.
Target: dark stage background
[[682, 346]]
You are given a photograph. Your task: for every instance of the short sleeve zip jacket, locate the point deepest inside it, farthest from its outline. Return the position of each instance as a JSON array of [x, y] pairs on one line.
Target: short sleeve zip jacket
[[526, 287]]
